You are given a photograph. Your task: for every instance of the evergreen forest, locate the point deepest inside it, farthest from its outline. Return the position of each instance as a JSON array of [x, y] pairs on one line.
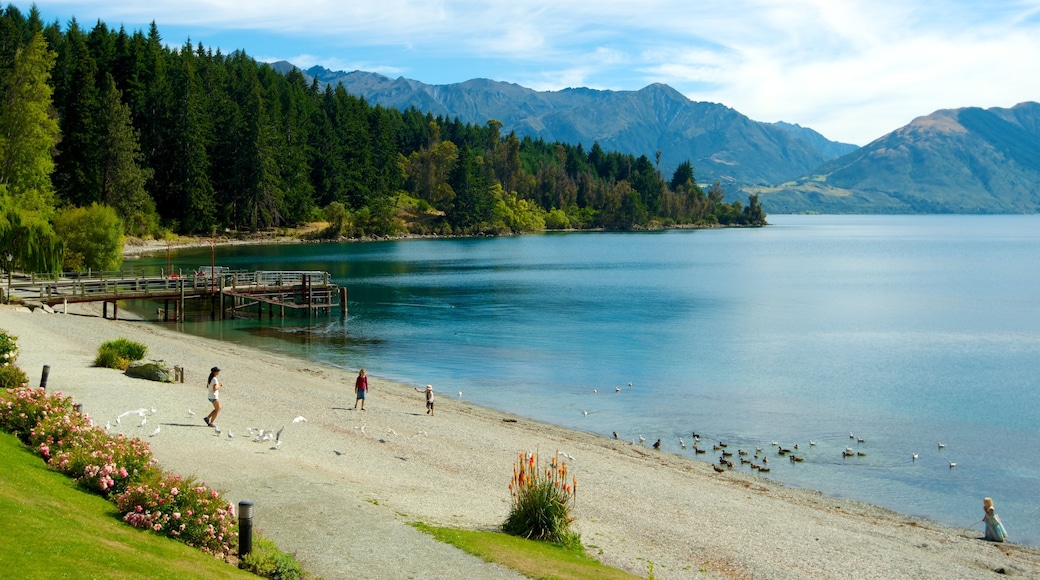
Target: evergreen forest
[[105, 134]]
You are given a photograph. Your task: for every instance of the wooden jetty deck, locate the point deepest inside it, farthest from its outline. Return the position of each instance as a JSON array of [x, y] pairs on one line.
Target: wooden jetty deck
[[308, 291]]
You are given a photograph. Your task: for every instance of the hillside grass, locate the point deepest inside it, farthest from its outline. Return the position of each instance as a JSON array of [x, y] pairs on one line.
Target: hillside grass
[[52, 529], [529, 557]]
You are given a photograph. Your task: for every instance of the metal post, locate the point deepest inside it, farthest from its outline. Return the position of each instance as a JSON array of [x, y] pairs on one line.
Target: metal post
[[245, 528], [43, 379]]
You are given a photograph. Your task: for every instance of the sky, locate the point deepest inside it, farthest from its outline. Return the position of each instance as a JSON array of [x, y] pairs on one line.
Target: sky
[[854, 70]]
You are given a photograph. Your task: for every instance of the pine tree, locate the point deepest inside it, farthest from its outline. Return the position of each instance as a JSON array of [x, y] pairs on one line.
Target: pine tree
[[28, 129], [119, 155]]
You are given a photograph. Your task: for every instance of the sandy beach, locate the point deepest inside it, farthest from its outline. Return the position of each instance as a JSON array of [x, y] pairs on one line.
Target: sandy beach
[[343, 486]]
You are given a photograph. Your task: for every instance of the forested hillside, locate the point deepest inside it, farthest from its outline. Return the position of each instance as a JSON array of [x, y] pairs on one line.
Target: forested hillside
[[104, 124]]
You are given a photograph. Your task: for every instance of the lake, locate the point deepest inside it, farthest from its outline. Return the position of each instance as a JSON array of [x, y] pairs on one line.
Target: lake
[[902, 331]]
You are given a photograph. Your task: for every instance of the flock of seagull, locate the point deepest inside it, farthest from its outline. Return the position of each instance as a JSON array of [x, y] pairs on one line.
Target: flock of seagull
[[254, 434]]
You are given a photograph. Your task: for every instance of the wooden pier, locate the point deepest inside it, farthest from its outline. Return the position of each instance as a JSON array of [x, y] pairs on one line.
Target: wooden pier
[[230, 293]]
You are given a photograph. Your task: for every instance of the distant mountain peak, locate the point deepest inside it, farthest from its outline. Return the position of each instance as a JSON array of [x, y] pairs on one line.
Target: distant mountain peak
[[721, 143]]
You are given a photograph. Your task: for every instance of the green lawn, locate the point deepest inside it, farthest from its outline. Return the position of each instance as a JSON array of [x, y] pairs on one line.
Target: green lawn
[[51, 529], [534, 559]]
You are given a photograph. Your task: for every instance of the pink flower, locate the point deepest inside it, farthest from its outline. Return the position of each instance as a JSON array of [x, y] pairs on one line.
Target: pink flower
[[174, 491], [176, 515]]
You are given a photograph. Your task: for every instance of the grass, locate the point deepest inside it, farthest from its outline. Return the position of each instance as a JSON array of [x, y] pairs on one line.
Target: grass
[[51, 529], [531, 558]]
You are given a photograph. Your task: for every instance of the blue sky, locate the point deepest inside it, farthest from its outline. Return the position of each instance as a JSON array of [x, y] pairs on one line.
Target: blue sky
[[851, 69]]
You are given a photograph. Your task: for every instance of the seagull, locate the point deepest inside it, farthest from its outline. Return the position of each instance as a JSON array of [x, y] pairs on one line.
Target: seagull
[[154, 411], [630, 385], [229, 434], [914, 457], [811, 443], [154, 433], [191, 413], [642, 439], [144, 420], [586, 413], [389, 430], [860, 440], [299, 419], [952, 465], [851, 436], [363, 430], [942, 445], [118, 421], [617, 389], [460, 394], [565, 455], [423, 433], [595, 391], [107, 426], [217, 431], [682, 443], [337, 452]]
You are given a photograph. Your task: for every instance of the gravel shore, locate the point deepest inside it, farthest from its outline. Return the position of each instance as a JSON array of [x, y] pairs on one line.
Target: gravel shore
[[342, 487]]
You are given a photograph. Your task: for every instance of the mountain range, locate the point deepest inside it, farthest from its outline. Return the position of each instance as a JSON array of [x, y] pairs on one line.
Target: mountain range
[[967, 160]]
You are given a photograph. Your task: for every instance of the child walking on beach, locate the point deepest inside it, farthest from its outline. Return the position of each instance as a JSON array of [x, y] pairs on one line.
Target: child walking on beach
[[429, 398], [994, 529], [360, 389]]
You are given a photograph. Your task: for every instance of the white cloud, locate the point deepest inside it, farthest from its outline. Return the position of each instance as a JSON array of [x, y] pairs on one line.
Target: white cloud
[[851, 69]]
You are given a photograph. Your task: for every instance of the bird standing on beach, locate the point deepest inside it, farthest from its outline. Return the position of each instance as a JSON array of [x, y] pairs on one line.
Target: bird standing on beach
[[191, 413], [156, 432], [657, 445], [300, 419]]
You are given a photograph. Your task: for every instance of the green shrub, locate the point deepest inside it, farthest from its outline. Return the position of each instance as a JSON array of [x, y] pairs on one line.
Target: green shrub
[[542, 499], [110, 359], [119, 353], [12, 377], [268, 561]]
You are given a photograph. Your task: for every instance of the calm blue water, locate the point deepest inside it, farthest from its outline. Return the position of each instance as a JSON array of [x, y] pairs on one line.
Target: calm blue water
[[903, 330]]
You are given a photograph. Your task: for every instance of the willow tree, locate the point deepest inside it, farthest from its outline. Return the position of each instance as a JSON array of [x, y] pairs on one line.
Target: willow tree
[[29, 240], [28, 134]]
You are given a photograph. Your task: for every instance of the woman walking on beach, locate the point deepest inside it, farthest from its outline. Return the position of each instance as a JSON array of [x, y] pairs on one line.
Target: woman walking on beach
[[360, 389], [213, 385]]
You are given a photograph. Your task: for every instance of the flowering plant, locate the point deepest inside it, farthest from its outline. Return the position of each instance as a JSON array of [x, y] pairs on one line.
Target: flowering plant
[[542, 500], [8, 348], [181, 508], [120, 468]]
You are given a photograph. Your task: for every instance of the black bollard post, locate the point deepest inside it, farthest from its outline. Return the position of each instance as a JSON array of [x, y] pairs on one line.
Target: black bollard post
[[245, 528], [43, 379]]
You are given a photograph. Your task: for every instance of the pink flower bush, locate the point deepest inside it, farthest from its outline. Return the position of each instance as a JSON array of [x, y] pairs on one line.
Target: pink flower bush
[[120, 468], [161, 501]]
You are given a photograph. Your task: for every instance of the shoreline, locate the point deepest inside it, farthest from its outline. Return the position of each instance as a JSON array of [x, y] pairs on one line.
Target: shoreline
[[396, 465]]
